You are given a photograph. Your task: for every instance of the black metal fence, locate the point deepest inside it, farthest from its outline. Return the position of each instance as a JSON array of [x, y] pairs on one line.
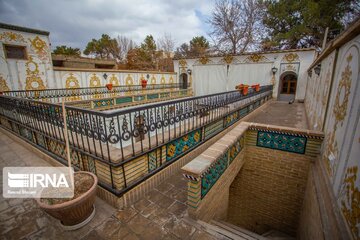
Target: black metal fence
[[125, 146], [56, 95]]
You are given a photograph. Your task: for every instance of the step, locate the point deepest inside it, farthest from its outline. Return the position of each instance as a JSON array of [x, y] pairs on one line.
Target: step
[[277, 235], [239, 231], [206, 227]]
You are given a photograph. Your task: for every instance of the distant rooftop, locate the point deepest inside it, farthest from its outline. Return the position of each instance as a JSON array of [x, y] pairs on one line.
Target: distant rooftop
[[81, 62], [23, 29]]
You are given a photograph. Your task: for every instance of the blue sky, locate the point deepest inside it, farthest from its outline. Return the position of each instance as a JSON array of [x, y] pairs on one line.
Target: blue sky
[[76, 22]]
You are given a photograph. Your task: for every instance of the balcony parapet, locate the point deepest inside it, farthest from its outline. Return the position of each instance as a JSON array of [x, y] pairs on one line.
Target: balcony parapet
[[207, 187]]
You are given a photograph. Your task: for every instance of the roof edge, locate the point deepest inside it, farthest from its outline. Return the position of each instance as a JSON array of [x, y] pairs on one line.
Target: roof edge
[[256, 52], [347, 35], [23, 29]]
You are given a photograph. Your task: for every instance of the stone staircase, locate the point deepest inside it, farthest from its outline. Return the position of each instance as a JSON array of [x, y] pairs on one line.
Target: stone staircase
[[226, 231]]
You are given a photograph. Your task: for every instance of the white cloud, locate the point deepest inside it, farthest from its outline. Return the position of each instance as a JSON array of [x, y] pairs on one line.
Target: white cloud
[[76, 22]]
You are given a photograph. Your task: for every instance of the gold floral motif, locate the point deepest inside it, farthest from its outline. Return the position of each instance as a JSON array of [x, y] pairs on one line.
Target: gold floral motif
[[39, 47], [290, 57], [33, 79], [72, 81], [290, 67], [95, 81], [204, 60], [339, 111], [162, 80], [114, 80], [171, 79], [228, 59], [153, 80], [3, 85], [183, 63], [255, 58], [345, 83], [12, 37], [350, 203], [129, 80]]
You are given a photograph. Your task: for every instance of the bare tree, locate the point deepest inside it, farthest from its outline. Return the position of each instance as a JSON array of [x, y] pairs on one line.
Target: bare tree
[[125, 44], [236, 24], [167, 44]]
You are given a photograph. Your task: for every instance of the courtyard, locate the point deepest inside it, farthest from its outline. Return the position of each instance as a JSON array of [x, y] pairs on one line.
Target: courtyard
[[189, 120]]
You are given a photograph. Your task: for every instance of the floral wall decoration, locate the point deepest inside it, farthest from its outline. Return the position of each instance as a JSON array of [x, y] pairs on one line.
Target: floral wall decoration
[[72, 81], [255, 58], [33, 79], [3, 85], [95, 81], [339, 110], [129, 80], [40, 47], [350, 201], [204, 60], [183, 63], [12, 37], [291, 57], [114, 80], [228, 59]]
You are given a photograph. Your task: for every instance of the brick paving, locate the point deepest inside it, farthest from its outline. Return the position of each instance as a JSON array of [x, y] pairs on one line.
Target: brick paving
[[282, 114], [159, 215]]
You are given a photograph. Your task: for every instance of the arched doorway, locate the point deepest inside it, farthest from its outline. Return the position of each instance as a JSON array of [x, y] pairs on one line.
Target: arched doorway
[[287, 86], [183, 81]]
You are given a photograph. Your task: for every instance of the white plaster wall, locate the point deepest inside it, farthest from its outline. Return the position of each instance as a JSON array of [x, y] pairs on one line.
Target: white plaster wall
[[243, 69], [317, 93], [341, 147], [13, 72]]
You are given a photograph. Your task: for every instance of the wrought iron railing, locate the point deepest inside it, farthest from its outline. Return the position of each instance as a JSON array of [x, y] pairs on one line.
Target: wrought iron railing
[[56, 95], [125, 146]]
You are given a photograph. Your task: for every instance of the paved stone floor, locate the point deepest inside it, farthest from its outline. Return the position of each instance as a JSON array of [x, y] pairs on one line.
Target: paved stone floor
[[160, 215], [282, 114]]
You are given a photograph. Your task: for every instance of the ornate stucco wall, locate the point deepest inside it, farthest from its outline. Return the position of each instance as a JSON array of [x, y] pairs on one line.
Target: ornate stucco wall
[[219, 74], [333, 106], [37, 71], [71, 78], [32, 73]]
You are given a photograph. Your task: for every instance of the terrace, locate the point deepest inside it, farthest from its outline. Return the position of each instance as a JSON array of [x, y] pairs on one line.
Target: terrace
[[161, 213], [124, 146], [170, 165]]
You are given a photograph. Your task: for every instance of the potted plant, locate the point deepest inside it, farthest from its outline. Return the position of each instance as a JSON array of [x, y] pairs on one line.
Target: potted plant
[[79, 210], [239, 87], [143, 83], [245, 90], [109, 86], [256, 87]]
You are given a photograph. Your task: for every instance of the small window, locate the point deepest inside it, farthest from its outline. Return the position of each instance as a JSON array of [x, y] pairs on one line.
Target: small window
[[15, 52]]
